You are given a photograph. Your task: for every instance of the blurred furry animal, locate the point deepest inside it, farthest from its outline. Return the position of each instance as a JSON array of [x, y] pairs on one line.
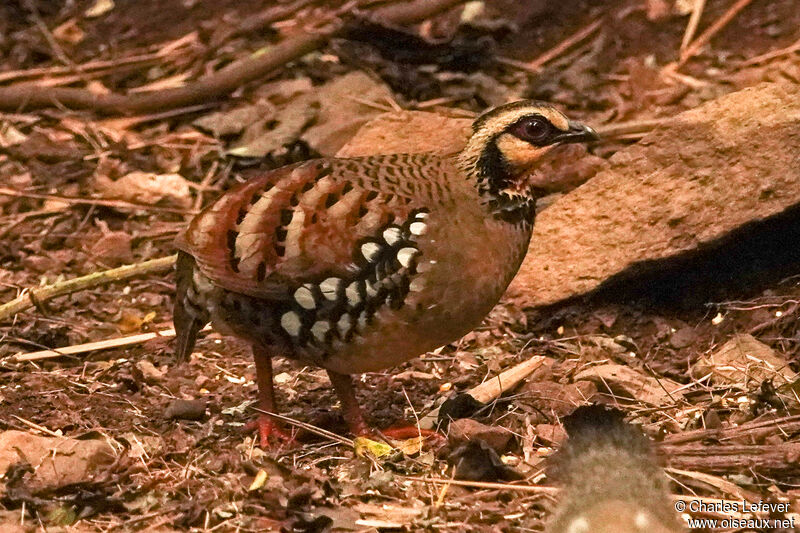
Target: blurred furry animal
[[612, 481]]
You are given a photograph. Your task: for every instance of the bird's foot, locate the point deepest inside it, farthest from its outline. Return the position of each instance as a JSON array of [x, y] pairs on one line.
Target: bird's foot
[[267, 427], [411, 432]]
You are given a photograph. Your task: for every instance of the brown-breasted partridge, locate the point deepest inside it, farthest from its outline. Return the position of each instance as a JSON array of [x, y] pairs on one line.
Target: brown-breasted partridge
[[360, 264]]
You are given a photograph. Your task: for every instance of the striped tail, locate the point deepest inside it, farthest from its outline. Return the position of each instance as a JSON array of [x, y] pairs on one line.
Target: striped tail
[[186, 322]]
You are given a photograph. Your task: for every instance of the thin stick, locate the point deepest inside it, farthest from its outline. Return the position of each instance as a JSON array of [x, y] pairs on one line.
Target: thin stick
[[85, 67], [537, 64], [213, 86], [483, 484], [712, 30], [308, 427], [694, 20], [98, 345], [554, 490], [92, 201], [31, 297], [772, 55], [37, 427], [492, 388]]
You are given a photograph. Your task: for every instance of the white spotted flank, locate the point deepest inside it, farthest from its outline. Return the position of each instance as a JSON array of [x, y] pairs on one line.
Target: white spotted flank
[[418, 228], [392, 235], [290, 322], [305, 298], [344, 325], [320, 328], [370, 251], [353, 294], [330, 288], [406, 255]]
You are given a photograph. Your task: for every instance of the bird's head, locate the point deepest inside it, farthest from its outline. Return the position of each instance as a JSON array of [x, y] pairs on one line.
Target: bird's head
[[508, 143]]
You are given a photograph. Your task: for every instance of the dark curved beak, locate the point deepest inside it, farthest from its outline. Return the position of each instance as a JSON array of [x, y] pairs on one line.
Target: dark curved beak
[[577, 133]]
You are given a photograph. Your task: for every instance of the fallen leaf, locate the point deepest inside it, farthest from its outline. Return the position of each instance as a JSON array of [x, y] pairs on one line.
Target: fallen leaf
[[100, 7], [57, 461], [365, 447], [69, 32], [626, 382], [346, 104], [146, 188], [258, 481], [234, 120], [744, 360], [411, 446]]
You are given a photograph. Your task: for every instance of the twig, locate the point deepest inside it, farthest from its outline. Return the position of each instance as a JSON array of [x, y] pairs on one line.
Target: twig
[[92, 201], [483, 484], [492, 388], [537, 64], [98, 345], [308, 427], [694, 20], [555, 490], [212, 86], [28, 298], [792, 48], [37, 427], [88, 67], [712, 30]]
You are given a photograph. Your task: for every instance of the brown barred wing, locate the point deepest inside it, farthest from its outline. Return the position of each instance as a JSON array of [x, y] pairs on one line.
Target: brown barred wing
[[299, 224]]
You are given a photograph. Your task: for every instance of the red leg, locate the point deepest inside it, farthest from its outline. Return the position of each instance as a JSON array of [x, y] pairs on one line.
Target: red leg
[[266, 398], [343, 385]]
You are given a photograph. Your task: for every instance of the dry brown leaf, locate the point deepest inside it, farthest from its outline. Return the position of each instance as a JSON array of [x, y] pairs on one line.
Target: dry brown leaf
[[56, 461], [277, 130], [147, 188], [346, 104], [625, 382], [69, 32], [745, 361]]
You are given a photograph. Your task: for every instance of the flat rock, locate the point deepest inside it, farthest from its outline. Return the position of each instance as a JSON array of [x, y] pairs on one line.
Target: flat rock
[[713, 169], [710, 171], [409, 132], [56, 461]]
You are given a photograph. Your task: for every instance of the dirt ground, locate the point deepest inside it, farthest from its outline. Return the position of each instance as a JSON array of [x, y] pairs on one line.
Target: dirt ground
[[198, 474]]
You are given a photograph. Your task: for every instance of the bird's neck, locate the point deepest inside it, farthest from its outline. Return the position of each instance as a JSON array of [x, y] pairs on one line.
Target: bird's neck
[[505, 194]]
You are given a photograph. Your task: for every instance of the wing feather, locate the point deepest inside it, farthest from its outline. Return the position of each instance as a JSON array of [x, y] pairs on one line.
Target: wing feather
[[296, 224]]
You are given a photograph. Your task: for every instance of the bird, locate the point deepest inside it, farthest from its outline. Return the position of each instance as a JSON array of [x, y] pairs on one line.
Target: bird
[[612, 482], [359, 264]]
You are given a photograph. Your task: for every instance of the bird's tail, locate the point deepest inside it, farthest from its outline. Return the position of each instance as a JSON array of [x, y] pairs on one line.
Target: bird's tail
[[610, 476], [186, 322]]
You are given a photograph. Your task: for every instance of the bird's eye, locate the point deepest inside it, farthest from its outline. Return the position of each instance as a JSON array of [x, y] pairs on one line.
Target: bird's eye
[[535, 130]]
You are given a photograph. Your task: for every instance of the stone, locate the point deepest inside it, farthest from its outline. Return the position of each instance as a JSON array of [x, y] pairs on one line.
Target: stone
[[683, 338], [550, 434], [467, 429], [409, 132], [711, 170], [56, 461], [186, 409]]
